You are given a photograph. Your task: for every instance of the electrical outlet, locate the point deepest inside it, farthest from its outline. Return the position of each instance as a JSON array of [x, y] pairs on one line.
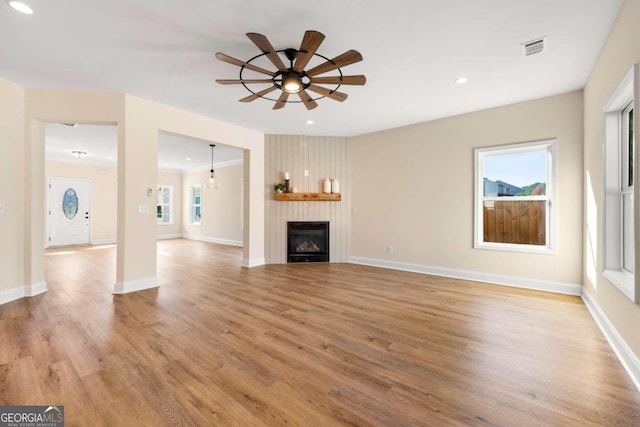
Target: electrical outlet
[[389, 250]]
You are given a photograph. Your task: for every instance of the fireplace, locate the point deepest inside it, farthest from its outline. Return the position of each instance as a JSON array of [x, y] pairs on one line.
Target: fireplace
[[308, 241]]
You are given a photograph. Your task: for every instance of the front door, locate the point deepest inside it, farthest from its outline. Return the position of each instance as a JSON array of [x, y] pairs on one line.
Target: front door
[[69, 211]]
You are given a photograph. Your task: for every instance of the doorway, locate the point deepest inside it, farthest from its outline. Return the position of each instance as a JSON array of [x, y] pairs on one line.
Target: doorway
[[69, 211]]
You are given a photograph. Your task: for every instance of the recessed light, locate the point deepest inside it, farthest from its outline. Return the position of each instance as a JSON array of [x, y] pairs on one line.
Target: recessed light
[[309, 122], [188, 159], [20, 7], [461, 80]]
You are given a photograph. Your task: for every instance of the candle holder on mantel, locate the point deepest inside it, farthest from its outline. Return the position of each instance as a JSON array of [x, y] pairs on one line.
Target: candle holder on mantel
[[286, 186]]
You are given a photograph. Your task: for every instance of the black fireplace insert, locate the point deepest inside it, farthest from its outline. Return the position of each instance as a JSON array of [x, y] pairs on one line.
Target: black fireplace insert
[[308, 241]]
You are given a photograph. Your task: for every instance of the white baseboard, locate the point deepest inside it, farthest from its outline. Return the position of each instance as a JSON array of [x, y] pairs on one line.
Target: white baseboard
[[212, 240], [104, 242], [496, 279], [135, 285], [168, 236], [14, 294], [253, 262], [11, 295], [35, 289], [629, 360]]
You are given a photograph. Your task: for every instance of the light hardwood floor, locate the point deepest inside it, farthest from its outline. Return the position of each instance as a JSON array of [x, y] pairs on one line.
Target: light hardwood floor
[[303, 345]]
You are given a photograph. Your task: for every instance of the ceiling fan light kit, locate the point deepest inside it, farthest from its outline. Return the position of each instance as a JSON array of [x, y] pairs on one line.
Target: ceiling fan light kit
[[294, 79]]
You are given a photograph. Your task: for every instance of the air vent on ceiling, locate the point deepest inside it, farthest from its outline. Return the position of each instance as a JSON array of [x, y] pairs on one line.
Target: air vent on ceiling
[[534, 46]]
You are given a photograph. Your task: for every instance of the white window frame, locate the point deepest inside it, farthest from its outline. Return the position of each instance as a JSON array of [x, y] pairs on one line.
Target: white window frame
[[160, 221], [616, 188], [195, 205], [550, 196]]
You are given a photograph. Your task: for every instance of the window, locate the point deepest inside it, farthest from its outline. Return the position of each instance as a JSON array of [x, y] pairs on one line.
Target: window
[[626, 192], [514, 197], [164, 207], [619, 190], [196, 208]]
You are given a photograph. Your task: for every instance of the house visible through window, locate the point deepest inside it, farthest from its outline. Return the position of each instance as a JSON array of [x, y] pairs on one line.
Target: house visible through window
[[619, 189], [514, 197], [164, 206], [196, 208]]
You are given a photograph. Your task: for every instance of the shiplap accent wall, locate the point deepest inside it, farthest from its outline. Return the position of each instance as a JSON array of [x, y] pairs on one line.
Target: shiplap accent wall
[[323, 157]]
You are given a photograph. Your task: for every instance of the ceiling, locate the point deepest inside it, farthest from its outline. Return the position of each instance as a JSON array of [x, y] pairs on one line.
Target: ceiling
[[175, 153], [413, 52]]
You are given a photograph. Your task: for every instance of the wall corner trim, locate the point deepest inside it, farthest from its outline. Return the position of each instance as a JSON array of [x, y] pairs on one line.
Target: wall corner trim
[[253, 262], [629, 361], [14, 294], [496, 279], [11, 295], [135, 285], [35, 289]]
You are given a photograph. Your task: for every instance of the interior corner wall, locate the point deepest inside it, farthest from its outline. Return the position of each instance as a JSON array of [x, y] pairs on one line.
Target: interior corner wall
[[619, 53], [12, 104], [323, 157], [413, 189], [221, 208]]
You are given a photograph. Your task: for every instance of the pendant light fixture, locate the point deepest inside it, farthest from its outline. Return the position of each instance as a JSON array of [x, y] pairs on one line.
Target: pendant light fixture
[[212, 182]]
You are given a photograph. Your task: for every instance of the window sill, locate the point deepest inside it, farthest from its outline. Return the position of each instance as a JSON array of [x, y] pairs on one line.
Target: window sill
[[622, 280], [531, 249]]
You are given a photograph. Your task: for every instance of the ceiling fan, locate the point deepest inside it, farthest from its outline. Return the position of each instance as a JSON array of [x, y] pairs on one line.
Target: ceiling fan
[[294, 79]]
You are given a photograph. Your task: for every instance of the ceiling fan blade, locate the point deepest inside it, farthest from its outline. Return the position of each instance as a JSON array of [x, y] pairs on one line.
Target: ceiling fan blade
[[265, 46], [257, 95], [347, 58], [230, 60], [281, 101], [335, 95], [235, 82], [306, 99], [340, 80], [308, 47]]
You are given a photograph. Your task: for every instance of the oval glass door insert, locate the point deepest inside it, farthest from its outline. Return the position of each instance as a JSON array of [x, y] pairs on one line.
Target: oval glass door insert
[[70, 203]]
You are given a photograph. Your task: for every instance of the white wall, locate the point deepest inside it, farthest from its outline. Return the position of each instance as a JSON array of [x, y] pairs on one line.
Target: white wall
[[413, 187], [11, 191], [221, 207]]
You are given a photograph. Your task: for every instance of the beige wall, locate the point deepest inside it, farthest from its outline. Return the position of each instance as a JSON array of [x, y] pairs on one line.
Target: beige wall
[[221, 208], [412, 188], [619, 53], [11, 190], [24, 113], [323, 157], [175, 228], [104, 187]]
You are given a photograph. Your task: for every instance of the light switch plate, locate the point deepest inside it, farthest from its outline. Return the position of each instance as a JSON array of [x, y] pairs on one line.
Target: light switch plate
[[1, 208]]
